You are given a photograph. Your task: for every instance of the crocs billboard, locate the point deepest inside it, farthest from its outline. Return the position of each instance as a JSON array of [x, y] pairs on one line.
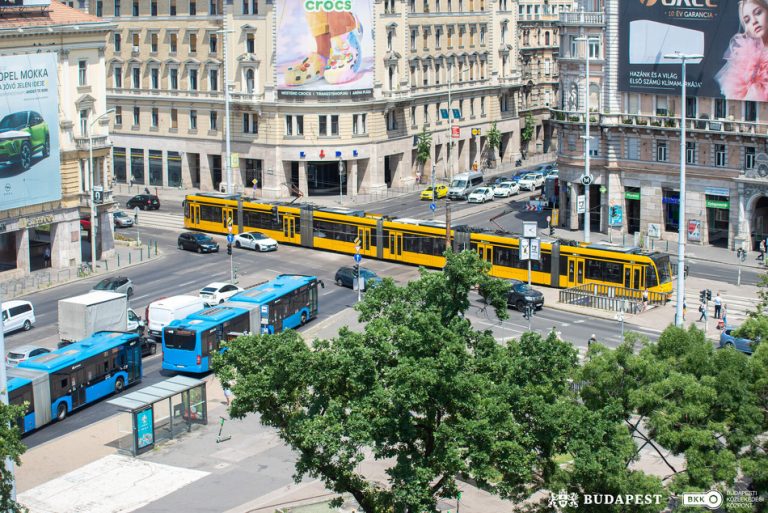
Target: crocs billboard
[[325, 48], [731, 35], [29, 130]]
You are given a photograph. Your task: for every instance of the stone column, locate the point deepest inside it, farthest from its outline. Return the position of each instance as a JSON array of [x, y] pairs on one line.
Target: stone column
[[352, 178], [303, 182], [165, 168], [22, 250], [206, 180], [186, 175], [573, 219], [651, 207]]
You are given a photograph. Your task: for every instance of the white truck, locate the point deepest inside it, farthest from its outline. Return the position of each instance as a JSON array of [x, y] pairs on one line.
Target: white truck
[[82, 316], [161, 312]]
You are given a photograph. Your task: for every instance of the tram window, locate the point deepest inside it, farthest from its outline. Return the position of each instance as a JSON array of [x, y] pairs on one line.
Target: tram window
[[650, 277], [262, 220], [544, 265], [423, 245], [208, 213], [594, 270], [336, 231], [612, 272]]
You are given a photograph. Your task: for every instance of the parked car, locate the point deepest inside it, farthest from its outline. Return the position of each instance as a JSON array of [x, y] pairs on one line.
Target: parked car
[[218, 292], [135, 323], [498, 180], [22, 134], [546, 169], [531, 181], [119, 284], [440, 190], [345, 277], [255, 240], [148, 346], [745, 345], [516, 178], [17, 315], [506, 189], [121, 219], [480, 195], [144, 202], [23, 353], [199, 242], [521, 294]]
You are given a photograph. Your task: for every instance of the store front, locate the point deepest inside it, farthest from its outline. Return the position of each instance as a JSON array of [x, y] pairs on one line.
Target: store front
[[718, 213], [323, 178], [670, 201], [632, 207]]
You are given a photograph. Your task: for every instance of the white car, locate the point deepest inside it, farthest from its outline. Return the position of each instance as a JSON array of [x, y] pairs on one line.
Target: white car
[[480, 195], [506, 189], [531, 181], [255, 240], [23, 353], [218, 292]]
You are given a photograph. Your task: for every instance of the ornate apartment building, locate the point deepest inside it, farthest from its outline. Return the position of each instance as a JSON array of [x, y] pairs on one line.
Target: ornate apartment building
[[53, 81], [166, 74], [635, 136]]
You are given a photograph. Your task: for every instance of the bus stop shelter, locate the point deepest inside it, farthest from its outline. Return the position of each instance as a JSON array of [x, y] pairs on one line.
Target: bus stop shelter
[[160, 412]]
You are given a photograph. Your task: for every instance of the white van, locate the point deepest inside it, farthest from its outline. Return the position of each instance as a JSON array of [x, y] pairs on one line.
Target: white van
[[17, 315], [463, 184], [161, 312]]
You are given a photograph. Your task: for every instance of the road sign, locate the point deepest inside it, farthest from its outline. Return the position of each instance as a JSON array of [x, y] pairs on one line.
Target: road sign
[[581, 204], [358, 258], [230, 238], [587, 179], [476, 131], [603, 189], [535, 249], [432, 207], [357, 242], [525, 249], [455, 132]]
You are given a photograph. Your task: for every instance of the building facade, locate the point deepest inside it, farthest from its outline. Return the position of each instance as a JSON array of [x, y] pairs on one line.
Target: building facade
[[635, 146], [166, 73], [47, 111]]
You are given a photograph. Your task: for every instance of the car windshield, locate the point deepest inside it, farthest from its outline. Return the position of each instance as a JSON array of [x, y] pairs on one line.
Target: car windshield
[[530, 176], [505, 185], [258, 236], [15, 356], [523, 287], [365, 273], [105, 284], [459, 183], [120, 214], [14, 121]]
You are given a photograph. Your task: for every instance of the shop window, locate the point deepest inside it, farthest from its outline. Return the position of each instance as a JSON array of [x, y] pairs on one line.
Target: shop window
[[671, 202]]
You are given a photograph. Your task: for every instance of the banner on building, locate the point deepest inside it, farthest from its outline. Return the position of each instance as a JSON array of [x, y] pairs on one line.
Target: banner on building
[[733, 54], [30, 171], [325, 48], [694, 230]]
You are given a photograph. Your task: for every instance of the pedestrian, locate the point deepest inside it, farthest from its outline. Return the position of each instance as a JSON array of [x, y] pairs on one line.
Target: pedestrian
[[725, 315], [227, 395], [685, 308], [703, 310], [146, 190], [761, 247], [645, 300], [718, 305], [47, 256], [591, 340]]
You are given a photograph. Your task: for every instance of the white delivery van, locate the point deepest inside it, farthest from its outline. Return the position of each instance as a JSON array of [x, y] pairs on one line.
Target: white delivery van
[[17, 315], [463, 184], [161, 312]]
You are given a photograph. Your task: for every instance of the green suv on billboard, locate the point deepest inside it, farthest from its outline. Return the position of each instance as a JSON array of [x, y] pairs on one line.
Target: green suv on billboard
[[22, 134]]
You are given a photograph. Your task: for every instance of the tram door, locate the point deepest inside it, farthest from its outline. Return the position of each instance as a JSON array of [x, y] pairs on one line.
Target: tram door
[[194, 215], [485, 251], [228, 218], [575, 271], [289, 228], [364, 236], [395, 245], [633, 277]]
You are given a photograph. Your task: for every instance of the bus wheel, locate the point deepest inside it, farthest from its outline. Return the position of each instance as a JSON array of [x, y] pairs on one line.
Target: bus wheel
[[119, 385], [61, 411], [303, 318]]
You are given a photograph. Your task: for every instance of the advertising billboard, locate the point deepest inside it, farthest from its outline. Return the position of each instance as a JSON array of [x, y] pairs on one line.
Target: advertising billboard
[[30, 171], [325, 48], [729, 34]]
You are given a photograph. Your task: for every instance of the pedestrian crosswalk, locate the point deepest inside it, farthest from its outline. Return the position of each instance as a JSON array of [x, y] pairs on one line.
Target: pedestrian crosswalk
[[159, 220], [737, 307]]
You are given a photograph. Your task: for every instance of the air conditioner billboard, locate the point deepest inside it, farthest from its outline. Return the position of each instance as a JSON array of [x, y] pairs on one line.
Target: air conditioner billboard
[[731, 36], [30, 171], [325, 48]]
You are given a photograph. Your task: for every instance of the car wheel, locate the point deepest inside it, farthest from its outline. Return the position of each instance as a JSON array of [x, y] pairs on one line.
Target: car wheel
[[237, 244], [142, 207], [339, 283], [119, 385], [303, 318], [181, 246], [729, 344], [129, 292], [153, 348], [61, 411], [199, 250], [221, 301], [520, 305], [25, 156], [27, 325]]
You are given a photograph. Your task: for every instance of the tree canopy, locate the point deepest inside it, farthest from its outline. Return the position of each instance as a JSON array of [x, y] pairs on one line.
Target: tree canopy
[[11, 448]]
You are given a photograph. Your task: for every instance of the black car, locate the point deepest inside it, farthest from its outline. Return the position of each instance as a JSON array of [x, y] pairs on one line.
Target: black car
[[144, 202], [199, 242], [345, 277], [148, 346], [521, 294]]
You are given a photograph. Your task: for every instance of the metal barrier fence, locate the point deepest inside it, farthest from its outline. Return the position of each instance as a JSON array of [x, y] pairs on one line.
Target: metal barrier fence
[[612, 291], [615, 299]]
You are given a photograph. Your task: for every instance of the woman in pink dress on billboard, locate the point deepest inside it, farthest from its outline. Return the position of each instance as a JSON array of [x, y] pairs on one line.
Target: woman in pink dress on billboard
[[745, 74]]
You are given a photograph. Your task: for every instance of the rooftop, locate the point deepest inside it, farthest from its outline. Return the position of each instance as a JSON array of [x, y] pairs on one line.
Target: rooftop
[[56, 14]]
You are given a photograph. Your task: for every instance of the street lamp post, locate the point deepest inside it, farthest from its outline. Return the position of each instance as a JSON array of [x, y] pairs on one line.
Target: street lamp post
[[587, 182], [449, 173], [228, 163], [341, 181], [93, 179], [682, 57]]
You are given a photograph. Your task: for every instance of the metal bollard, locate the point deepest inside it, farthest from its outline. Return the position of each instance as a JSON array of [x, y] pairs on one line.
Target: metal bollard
[[118, 259], [106, 264], [155, 247], [129, 258], [141, 254]]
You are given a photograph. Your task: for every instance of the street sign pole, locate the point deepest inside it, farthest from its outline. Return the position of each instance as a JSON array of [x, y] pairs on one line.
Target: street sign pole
[[358, 259]]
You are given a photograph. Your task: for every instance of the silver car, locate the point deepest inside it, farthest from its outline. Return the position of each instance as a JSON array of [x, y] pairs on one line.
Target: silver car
[[23, 353], [119, 284], [122, 220]]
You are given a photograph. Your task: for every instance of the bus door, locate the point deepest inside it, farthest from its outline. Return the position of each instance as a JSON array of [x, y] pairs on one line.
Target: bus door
[[134, 363], [364, 236], [228, 218], [485, 251], [575, 271], [194, 214], [289, 228], [395, 245], [77, 382]]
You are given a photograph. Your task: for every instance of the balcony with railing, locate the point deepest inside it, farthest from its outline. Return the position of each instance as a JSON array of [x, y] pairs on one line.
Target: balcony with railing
[[582, 18], [99, 142]]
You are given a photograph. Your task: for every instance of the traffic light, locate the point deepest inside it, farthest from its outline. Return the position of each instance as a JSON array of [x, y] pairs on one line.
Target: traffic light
[[229, 248], [702, 295], [275, 213], [709, 295], [356, 268]]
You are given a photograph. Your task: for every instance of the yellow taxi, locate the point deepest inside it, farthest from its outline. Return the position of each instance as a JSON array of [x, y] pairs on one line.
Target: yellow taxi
[[441, 190]]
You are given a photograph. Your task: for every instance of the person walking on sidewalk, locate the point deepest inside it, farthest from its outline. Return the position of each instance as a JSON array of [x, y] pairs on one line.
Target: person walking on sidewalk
[[718, 305], [725, 315], [645, 300], [703, 310], [685, 309], [761, 247], [47, 256]]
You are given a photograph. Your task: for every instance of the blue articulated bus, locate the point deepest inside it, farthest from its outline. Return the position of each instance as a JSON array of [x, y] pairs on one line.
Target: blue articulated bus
[[57, 383], [286, 302]]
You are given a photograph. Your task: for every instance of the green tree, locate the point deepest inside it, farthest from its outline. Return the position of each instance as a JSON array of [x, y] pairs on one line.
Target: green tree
[[423, 148], [493, 139], [10, 448], [419, 388], [527, 133]]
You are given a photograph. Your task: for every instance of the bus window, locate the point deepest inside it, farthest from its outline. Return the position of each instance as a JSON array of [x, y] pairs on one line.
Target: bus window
[[179, 339]]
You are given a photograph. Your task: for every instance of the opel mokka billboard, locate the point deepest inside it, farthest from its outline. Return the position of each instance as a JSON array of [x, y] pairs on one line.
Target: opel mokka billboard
[[732, 37], [324, 48], [30, 170]]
